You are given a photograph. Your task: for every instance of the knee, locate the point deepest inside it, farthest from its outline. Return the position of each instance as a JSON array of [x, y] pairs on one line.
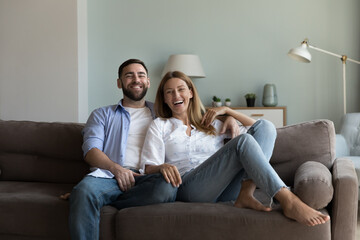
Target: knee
[[266, 126], [164, 192], [81, 194]]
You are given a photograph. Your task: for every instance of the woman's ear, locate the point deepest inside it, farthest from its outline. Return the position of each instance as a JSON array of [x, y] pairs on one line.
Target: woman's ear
[[191, 94]]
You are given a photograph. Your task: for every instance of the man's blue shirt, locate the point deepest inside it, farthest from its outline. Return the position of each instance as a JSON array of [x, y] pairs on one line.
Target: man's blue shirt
[[107, 130]]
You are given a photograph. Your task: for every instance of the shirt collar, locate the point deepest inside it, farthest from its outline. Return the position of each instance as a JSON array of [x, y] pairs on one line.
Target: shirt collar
[[148, 104]]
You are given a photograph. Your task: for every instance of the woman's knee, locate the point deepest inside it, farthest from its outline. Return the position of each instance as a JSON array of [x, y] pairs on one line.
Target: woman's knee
[[266, 126]]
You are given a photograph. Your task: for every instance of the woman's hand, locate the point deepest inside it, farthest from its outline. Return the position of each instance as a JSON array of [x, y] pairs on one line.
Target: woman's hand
[[212, 113], [171, 174]]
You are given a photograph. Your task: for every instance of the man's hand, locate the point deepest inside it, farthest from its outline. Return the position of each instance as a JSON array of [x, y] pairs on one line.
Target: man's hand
[[231, 124], [171, 174], [124, 177]]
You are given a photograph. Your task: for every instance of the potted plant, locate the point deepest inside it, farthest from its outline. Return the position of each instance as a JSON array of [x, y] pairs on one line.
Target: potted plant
[[250, 99], [213, 101], [218, 102], [228, 102]]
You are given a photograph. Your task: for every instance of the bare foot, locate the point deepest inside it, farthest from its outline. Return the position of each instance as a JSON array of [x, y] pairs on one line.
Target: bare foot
[[65, 196], [250, 202], [297, 210]]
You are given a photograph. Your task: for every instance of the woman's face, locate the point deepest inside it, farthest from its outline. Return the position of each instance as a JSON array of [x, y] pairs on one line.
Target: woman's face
[[177, 96]]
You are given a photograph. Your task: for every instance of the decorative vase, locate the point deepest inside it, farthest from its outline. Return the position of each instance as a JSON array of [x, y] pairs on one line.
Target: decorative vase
[[269, 96]]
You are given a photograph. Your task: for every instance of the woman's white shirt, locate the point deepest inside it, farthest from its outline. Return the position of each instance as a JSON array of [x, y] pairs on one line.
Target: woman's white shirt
[[167, 142]]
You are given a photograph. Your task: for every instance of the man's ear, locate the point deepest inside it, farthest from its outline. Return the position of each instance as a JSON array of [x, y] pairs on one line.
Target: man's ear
[[148, 82], [119, 84]]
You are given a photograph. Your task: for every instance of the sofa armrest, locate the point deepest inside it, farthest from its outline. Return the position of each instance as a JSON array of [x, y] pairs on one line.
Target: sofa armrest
[[345, 200], [342, 148]]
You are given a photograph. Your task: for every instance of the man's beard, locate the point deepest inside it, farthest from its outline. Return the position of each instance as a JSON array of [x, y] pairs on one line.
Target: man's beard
[[133, 96]]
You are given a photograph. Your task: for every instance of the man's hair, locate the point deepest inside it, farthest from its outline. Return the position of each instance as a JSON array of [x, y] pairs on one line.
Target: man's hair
[[128, 62]]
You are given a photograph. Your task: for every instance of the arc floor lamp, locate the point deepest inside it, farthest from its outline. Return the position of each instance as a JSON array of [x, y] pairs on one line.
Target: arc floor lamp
[[303, 55]]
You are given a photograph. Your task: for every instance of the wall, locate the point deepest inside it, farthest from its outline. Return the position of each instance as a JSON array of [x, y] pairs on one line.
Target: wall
[[38, 60], [242, 44]]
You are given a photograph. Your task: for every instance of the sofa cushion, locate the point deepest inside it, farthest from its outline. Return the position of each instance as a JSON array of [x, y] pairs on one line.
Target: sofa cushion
[[296, 144], [209, 221], [34, 210], [313, 184], [42, 152]]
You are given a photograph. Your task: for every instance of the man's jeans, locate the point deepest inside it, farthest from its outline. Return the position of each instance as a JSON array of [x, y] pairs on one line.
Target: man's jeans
[[91, 194], [245, 157]]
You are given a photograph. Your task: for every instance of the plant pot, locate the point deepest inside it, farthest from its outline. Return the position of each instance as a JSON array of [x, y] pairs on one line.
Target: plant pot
[[227, 104], [218, 104], [250, 102]]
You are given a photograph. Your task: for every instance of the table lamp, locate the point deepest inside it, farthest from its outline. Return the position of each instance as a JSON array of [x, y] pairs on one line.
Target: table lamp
[[186, 63]]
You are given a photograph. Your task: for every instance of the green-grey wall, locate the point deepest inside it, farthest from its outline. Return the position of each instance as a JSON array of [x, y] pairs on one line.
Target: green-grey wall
[[242, 44]]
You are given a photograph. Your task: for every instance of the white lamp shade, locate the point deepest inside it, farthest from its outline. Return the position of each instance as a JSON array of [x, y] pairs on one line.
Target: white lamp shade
[[186, 63], [300, 53]]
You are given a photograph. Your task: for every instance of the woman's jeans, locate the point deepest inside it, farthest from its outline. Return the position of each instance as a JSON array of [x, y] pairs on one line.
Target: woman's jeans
[[245, 157], [91, 194]]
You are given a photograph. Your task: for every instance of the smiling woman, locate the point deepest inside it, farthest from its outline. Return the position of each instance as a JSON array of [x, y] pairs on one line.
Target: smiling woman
[[174, 147]]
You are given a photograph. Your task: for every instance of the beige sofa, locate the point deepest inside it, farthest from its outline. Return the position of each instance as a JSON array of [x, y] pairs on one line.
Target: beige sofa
[[41, 161]]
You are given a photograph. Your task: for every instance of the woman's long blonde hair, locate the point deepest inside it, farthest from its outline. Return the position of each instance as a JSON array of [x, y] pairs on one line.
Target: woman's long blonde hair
[[196, 108]]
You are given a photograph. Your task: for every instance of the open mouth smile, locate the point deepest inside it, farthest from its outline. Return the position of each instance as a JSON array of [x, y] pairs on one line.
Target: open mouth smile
[[178, 102]]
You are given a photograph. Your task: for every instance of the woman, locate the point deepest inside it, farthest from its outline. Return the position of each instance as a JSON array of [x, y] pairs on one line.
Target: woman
[[189, 152]]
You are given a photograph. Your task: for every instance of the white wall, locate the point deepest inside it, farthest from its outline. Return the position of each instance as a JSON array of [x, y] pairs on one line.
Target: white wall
[[242, 44], [38, 60]]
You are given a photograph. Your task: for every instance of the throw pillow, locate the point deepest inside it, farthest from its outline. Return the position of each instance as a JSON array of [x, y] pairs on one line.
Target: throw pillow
[[313, 184]]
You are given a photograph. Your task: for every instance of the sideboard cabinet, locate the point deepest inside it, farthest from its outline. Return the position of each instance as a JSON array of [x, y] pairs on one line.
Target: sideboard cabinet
[[276, 115]]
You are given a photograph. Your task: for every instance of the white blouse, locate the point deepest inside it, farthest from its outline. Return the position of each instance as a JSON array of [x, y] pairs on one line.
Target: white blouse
[[167, 142]]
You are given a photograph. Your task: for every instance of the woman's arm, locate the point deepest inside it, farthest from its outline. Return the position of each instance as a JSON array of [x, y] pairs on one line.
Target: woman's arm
[[170, 173], [153, 155], [212, 113]]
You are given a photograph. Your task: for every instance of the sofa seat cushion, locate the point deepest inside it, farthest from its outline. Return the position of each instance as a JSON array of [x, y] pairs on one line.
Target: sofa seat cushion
[[34, 209], [181, 220]]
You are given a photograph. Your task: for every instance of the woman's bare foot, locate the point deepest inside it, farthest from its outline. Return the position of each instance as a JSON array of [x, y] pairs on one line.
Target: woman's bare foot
[[246, 198], [250, 202], [297, 210]]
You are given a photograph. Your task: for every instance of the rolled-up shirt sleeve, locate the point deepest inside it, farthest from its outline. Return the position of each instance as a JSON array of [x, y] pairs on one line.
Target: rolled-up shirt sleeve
[[94, 132], [153, 151]]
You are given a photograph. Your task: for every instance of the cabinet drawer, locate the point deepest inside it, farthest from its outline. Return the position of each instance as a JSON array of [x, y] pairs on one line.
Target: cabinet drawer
[[275, 115]]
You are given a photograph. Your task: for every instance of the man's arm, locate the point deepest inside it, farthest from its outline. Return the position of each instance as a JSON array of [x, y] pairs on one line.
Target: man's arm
[[124, 177]]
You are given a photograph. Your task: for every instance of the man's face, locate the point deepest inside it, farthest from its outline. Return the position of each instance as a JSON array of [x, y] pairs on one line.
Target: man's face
[[134, 82]]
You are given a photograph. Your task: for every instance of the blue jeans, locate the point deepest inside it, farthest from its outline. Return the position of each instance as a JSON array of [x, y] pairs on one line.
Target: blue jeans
[[91, 194], [245, 157]]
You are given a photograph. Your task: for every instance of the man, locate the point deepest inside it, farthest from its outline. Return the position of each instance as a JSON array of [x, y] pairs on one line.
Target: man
[[113, 139]]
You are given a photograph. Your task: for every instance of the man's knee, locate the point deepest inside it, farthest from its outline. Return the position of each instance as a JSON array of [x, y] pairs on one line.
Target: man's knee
[[163, 191]]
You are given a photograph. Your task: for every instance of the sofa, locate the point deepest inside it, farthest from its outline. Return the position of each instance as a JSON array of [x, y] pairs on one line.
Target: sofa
[[40, 161], [348, 141]]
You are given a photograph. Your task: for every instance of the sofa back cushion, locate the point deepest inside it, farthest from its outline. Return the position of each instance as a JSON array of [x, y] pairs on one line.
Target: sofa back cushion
[[41, 152], [296, 144]]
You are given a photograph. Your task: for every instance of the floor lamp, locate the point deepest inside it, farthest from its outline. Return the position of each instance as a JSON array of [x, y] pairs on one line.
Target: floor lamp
[[303, 55]]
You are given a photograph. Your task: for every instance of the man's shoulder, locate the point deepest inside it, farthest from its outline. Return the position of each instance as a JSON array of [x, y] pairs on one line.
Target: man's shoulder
[[106, 109]]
